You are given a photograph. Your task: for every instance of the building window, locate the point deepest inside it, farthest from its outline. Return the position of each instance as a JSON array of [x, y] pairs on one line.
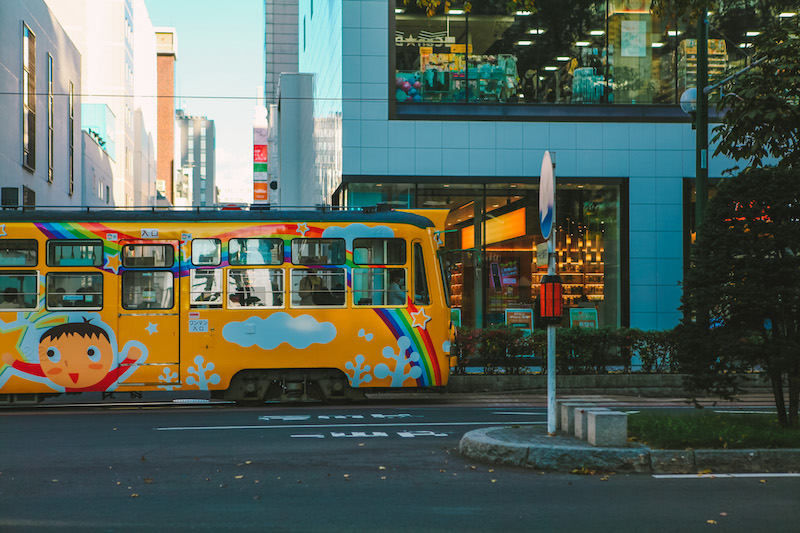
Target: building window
[[28, 198], [10, 197], [28, 98], [49, 118], [602, 51], [71, 139]]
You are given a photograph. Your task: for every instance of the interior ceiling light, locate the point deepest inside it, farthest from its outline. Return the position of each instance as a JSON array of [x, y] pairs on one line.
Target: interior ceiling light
[[399, 10], [582, 43], [657, 45], [597, 32], [673, 33], [562, 58], [536, 31], [787, 14], [551, 68], [752, 33], [456, 12], [523, 13], [524, 43]]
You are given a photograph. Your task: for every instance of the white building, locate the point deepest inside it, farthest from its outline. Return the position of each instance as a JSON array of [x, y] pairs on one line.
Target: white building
[[117, 45], [40, 102]]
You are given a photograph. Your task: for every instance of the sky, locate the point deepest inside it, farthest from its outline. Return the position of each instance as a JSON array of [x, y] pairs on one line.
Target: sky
[[219, 72]]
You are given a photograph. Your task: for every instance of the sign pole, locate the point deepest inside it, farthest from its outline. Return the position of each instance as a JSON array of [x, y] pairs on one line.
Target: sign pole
[[547, 216]]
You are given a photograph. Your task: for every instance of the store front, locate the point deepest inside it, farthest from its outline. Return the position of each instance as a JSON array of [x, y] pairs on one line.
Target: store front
[[494, 253]]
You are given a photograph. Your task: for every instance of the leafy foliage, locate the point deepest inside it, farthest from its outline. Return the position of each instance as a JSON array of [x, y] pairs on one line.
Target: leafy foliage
[[762, 105], [745, 275]]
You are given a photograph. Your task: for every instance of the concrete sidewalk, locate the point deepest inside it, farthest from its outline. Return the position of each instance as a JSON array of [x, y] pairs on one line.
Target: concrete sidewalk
[[531, 447]]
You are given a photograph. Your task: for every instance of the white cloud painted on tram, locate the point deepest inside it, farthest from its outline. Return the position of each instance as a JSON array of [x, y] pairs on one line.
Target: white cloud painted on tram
[[268, 333]]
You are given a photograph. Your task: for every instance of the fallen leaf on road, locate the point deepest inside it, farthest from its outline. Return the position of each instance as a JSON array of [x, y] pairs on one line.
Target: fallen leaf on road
[[763, 481], [383, 477], [148, 480], [55, 481], [491, 470], [134, 495], [381, 468], [723, 514], [238, 477], [248, 462], [711, 521], [494, 481]]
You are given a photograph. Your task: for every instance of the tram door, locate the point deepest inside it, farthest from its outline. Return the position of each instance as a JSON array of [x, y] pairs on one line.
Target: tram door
[[148, 312]]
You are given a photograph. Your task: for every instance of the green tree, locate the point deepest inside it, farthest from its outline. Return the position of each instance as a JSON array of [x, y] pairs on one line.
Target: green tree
[[762, 106], [746, 272]]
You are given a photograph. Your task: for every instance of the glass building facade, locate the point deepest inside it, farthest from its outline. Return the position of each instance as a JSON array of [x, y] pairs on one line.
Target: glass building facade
[[456, 111]]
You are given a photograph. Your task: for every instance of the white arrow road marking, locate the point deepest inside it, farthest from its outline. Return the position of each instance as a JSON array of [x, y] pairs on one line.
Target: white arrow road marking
[[412, 434]]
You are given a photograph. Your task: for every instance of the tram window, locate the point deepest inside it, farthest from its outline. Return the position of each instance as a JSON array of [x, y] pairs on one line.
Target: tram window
[[74, 290], [206, 252], [255, 287], [148, 255], [318, 251], [242, 252], [18, 252], [206, 288], [379, 286], [379, 251], [318, 287], [74, 253], [147, 290], [421, 295], [19, 290]]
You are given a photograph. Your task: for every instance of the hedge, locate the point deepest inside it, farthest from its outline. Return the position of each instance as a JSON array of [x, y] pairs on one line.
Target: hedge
[[508, 350]]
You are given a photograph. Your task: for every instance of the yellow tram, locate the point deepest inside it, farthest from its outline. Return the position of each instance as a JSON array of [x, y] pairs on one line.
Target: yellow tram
[[251, 305]]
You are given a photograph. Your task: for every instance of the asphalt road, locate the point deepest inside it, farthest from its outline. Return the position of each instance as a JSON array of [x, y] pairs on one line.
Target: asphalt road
[[388, 465]]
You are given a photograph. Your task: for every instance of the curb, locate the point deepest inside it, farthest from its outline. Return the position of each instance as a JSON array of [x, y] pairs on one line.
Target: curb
[[528, 447]]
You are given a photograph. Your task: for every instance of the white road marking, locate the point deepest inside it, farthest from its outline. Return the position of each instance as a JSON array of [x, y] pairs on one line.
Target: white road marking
[[317, 426], [339, 417], [286, 418], [746, 412], [360, 434], [412, 434], [377, 415], [746, 475], [518, 413], [307, 436]]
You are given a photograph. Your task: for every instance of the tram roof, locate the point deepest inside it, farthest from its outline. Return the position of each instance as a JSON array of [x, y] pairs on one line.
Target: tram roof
[[214, 214]]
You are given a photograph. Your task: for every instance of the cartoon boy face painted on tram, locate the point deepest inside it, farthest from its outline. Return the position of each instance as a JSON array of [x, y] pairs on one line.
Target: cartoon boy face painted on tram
[[78, 356]]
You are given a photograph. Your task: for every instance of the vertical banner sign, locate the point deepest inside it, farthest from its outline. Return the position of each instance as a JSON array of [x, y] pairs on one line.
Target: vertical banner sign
[[260, 156]]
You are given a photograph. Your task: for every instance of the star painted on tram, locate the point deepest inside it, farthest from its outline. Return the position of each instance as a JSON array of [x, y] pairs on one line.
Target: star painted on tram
[[151, 328], [3, 230], [302, 228], [420, 319], [112, 263]]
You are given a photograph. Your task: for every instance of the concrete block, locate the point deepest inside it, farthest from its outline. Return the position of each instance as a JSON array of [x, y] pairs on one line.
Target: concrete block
[[607, 428], [672, 461], [728, 461], [565, 415], [780, 460], [580, 420]]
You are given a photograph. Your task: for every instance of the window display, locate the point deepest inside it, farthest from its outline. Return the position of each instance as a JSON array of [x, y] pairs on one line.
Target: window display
[[605, 51]]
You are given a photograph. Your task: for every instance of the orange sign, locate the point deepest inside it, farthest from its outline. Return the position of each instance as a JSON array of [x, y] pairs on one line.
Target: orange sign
[[260, 191]]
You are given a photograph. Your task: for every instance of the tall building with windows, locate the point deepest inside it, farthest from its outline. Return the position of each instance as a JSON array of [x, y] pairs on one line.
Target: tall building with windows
[[280, 44], [195, 181], [116, 41], [167, 51], [466, 109], [40, 102]]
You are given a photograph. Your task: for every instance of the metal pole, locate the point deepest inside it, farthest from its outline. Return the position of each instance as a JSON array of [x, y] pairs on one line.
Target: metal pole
[[701, 172], [551, 328]]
